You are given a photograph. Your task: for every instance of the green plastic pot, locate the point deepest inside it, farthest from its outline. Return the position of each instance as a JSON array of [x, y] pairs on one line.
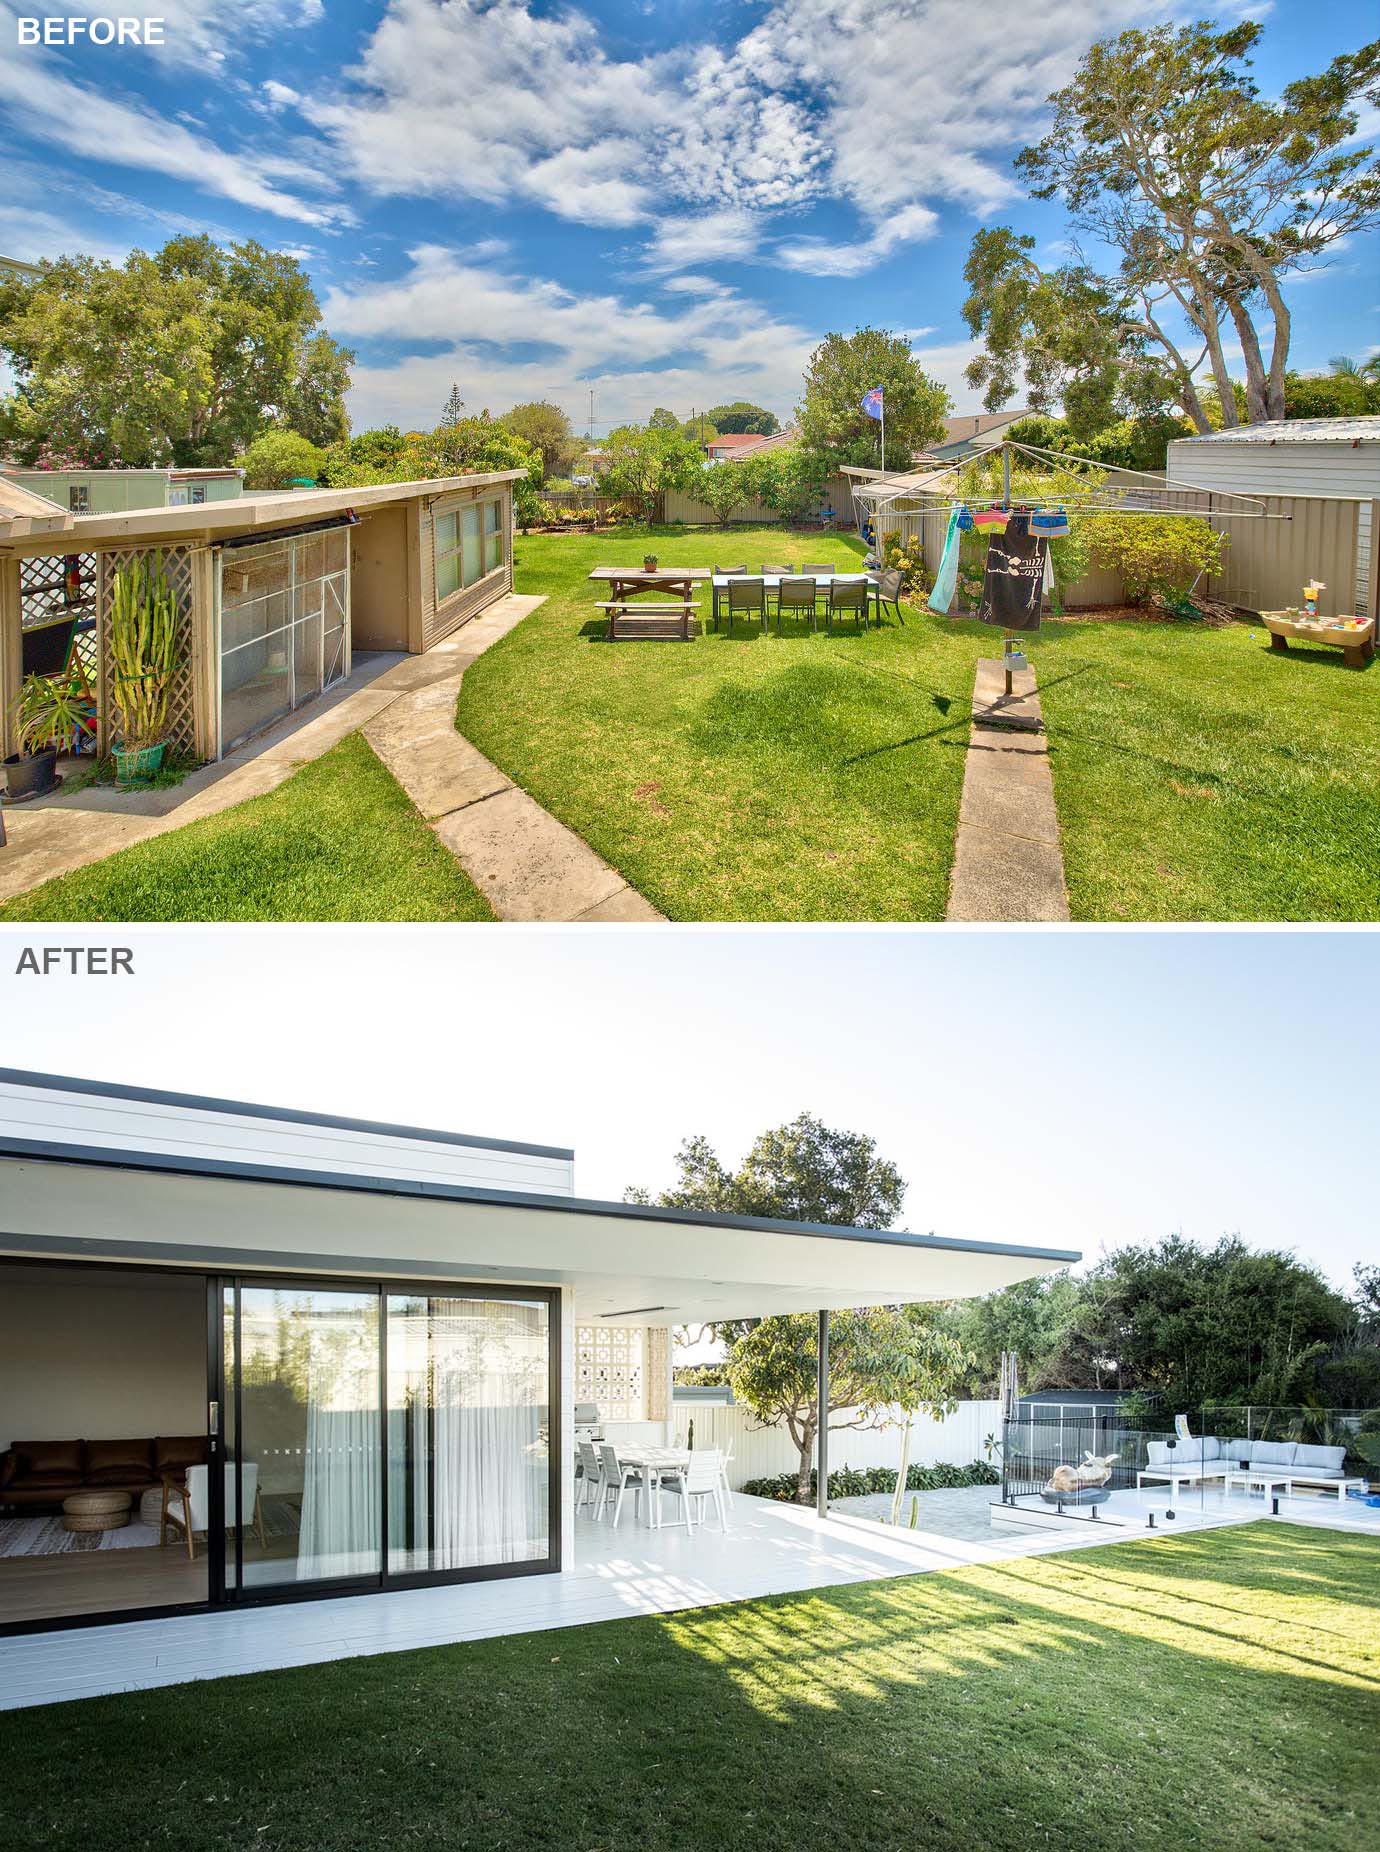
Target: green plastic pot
[[143, 762]]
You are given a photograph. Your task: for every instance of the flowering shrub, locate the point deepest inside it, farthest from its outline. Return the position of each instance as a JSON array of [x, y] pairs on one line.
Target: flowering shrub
[[853, 1482], [906, 557]]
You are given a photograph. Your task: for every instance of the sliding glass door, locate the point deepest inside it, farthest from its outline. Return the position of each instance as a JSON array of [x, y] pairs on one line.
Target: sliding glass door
[[378, 1434], [468, 1427]]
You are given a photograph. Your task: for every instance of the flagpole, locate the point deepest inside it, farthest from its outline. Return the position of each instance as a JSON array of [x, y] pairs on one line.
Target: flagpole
[[883, 399]]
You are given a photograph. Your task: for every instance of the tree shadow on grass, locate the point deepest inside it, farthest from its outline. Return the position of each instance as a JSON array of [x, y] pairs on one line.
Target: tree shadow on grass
[[1008, 1706]]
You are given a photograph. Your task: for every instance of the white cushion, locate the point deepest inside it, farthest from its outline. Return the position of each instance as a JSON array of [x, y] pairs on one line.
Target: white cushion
[[1211, 1447], [1273, 1453], [1238, 1450], [1186, 1454], [1156, 1452], [1332, 1458]]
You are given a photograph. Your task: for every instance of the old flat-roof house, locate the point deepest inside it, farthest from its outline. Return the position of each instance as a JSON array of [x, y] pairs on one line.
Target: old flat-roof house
[[273, 590], [115, 491]]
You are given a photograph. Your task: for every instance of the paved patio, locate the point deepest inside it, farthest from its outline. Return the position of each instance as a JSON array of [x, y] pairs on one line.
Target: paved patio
[[768, 1549]]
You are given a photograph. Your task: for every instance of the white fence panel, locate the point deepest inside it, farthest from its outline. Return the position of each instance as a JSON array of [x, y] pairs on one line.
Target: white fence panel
[[759, 1453]]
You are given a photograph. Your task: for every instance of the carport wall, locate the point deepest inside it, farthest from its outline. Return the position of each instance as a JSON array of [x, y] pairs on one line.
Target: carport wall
[[394, 603]]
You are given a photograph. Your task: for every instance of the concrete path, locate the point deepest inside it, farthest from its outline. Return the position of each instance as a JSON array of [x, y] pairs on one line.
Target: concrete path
[[527, 865], [1007, 861]]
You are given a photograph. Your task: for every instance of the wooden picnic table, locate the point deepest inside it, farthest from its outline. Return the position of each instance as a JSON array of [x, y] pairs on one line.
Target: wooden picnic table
[[656, 619]]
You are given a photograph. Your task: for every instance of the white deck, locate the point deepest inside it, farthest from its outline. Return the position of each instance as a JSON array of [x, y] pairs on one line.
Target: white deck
[[768, 1549]]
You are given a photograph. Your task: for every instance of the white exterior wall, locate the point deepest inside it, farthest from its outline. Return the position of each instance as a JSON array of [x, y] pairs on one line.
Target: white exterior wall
[[54, 1116], [758, 1453], [1318, 468]]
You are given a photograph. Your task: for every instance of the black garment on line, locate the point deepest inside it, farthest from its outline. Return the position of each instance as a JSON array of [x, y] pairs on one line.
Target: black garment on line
[[1015, 577]]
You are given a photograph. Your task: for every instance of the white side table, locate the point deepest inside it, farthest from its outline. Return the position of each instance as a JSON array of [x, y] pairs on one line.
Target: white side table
[[1251, 1477]]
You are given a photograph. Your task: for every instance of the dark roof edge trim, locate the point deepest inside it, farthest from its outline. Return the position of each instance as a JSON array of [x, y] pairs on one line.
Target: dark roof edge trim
[[507, 1199], [155, 1096]]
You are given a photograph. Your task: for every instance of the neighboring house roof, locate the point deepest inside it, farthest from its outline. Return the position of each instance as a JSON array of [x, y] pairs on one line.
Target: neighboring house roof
[[977, 424], [1365, 430]]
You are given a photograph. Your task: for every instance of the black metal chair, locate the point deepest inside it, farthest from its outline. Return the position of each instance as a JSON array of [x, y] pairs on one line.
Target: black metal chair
[[850, 595], [889, 592], [796, 594], [720, 572], [748, 596]]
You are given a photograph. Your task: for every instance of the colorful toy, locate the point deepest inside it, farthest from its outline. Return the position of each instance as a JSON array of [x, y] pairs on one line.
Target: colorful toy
[[1310, 597]]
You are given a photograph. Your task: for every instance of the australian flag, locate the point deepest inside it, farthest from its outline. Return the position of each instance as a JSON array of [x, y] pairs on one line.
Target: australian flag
[[872, 402]]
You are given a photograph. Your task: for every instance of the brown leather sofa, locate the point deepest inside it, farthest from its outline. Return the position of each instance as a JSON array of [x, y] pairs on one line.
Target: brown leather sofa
[[44, 1472]]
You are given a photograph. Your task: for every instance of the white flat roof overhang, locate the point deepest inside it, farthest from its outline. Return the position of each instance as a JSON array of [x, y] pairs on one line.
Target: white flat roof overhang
[[625, 1262]]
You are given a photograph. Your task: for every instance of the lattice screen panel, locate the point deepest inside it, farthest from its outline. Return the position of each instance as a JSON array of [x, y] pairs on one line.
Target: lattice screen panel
[[56, 586], [177, 570], [609, 1369]]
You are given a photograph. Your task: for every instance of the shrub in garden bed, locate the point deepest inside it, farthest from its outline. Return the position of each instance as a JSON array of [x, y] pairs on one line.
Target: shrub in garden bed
[[855, 1482]]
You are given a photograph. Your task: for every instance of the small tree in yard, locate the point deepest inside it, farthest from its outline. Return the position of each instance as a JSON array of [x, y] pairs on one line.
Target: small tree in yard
[[1155, 555], [879, 1358], [725, 488], [277, 459], [642, 465]]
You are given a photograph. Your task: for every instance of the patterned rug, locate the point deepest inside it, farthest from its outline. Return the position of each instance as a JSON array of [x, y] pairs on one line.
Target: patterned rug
[[45, 1537]]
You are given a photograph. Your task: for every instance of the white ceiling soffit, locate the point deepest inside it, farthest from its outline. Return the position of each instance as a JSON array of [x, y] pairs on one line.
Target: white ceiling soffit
[[624, 1263]]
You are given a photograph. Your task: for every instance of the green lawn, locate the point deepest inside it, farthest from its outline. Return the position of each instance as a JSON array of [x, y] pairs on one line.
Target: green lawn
[[1202, 1694], [817, 778], [338, 841]]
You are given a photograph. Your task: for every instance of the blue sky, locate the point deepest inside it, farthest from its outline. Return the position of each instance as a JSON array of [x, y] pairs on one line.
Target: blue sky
[[1076, 1090], [669, 201]]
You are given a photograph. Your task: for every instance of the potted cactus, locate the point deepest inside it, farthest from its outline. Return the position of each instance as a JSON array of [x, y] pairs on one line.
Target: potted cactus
[[142, 641]]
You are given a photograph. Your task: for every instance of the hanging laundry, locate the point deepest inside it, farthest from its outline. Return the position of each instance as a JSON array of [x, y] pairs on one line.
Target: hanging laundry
[[965, 519], [1051, 524], [1014, 578], [991, 518], [946, 578]]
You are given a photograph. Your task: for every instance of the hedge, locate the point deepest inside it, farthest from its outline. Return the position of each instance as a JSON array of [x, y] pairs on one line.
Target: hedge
[[850, 1482]]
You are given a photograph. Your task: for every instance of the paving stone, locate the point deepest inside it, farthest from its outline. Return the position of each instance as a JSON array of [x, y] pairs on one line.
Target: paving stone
[[526, 864]]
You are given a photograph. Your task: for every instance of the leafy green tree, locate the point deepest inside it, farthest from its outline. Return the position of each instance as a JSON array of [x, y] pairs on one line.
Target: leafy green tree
[[1156, 555], [182, 357], [725, 488], [742, 415], [547, 429], [844, 367], [643, 464], [1333, 395], [279, 458], [453, 411], [1131, 443], [790, 481], [1208, 195], [664, 420], [880, 1359]]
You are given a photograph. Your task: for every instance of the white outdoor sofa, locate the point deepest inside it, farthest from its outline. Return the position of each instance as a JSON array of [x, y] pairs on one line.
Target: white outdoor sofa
[[1200, 1461]]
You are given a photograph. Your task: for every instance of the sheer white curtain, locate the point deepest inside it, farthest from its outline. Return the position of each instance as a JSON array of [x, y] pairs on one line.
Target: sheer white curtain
[[491, 1389], [341, 1508]]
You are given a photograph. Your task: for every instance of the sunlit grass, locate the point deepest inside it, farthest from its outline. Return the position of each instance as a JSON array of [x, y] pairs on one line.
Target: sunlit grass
[[1211, 1691]]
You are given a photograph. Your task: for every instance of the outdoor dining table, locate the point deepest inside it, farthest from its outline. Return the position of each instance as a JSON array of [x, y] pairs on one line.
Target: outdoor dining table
[[772, 580], [624, 581], [652, 1463]]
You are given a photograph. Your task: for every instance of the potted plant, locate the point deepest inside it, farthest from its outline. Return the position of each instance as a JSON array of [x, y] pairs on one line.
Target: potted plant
[[50, 712], [142, 641], [649, 562]]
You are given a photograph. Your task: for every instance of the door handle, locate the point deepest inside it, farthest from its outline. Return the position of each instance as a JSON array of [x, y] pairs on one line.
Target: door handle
[[213, 1419]]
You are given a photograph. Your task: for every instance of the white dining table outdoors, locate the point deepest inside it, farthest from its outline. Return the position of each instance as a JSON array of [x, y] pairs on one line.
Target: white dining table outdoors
[[721, 581], [652, 1462]]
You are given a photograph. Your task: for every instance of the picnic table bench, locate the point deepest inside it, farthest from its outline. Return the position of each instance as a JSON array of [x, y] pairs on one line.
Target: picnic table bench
[[670, 615]]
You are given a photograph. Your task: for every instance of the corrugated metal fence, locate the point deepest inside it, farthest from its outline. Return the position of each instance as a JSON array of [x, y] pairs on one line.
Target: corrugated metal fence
[[759, 1453]]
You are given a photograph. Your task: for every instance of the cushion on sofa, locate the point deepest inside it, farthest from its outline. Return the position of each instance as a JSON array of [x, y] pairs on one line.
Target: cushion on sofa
[[1327, 1459], [174, 1453], [1273, 1453], [115, 1462], [1210, 1447], [60, 1457], [1157, 1452], [1237, 1450]]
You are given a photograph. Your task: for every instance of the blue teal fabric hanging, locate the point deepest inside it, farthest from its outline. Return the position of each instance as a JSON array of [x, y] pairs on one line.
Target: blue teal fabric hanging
[[946, 578]]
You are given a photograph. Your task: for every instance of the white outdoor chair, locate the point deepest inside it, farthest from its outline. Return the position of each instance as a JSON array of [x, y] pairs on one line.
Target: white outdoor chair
[[724, 1465], [617, 1479], [702, 1479], [187, 1507], [587, 1492]]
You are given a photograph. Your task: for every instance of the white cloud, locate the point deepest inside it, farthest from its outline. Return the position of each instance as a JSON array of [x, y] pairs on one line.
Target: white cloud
[[93, 122], [280, 95], [31, 234], [907, 225], [636, 355], [202, 32], [889, 105]]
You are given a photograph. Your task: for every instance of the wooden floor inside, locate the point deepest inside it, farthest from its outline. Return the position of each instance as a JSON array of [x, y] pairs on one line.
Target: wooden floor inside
[[98, 1582]]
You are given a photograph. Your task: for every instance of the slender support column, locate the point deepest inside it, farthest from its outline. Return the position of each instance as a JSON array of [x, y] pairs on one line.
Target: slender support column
[[822, 1404]]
